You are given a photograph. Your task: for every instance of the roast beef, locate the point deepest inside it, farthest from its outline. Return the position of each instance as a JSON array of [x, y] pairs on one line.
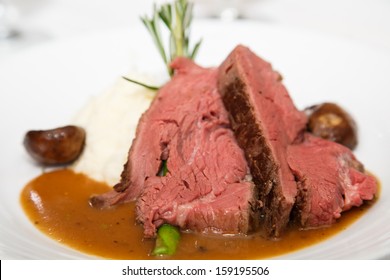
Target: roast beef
[[330, 180], [205, 188], [265, 122], [212, 130]]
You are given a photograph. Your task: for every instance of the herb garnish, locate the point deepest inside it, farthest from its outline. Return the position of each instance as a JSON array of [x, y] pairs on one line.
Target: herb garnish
[[141, 84], [177, 18]]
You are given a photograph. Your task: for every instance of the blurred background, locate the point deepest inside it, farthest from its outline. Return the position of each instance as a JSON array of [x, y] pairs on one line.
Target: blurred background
[[25, 23]]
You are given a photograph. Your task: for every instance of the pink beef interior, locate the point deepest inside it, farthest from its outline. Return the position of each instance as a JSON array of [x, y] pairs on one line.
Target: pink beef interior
[[214, 127], [330, 180], [205, 189]]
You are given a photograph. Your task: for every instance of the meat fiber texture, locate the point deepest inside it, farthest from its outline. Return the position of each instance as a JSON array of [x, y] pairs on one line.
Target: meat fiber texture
[[330, 180], [190, 125], [205, 188], [298, 176], [265, 122]]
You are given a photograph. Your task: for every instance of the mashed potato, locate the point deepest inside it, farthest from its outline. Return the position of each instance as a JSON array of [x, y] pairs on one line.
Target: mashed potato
[[110, 121]]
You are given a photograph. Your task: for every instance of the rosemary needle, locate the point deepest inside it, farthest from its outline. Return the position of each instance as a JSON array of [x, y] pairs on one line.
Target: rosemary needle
[[141, 84]]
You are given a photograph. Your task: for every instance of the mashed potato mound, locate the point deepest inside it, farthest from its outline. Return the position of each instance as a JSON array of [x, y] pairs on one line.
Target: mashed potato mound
[[110, 121]]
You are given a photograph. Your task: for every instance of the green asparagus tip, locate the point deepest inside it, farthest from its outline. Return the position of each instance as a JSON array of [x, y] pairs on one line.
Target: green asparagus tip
[[168, 238]]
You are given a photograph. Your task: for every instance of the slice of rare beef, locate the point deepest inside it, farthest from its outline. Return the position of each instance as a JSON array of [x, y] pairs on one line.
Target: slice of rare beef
[[265, 121], [330, 180], [204, 189]]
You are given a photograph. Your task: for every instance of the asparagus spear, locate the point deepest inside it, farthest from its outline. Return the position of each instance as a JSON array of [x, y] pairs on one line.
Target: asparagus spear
[[167, 240]]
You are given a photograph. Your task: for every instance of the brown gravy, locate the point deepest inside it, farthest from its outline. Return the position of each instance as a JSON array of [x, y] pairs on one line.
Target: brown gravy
[[57, 203]]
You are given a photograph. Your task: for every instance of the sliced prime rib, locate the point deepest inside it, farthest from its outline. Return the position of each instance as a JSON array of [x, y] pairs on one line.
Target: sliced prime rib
[[330, 180], [205, 189], [265, 122], [214, 127]]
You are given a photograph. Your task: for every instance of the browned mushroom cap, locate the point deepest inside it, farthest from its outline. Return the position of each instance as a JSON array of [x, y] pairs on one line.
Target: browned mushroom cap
[[331, 122], [55, 146]]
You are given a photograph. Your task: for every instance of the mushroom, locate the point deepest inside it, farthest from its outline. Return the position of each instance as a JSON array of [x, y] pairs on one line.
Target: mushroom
[[55, 146]]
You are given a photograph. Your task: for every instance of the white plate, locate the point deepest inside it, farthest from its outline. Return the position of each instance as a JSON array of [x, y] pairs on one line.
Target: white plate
[[45, 86]]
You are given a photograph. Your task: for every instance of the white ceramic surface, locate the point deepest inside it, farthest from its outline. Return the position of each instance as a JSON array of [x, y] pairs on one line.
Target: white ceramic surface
[[44, 87]]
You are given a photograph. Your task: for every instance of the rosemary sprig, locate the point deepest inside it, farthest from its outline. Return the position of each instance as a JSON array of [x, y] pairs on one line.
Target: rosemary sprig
[[177, 18], [141, 83]]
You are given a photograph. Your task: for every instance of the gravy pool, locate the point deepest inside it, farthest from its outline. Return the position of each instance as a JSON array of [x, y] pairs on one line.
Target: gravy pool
[[57, 204]]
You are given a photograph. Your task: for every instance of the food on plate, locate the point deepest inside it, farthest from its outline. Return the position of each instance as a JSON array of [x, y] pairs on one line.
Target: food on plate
[[330, 180], [167, 240], [330, 121], [206, 187], [56, 146], [177, 19], [112, 233], [291, 170], [215, 153], [265, 122]]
